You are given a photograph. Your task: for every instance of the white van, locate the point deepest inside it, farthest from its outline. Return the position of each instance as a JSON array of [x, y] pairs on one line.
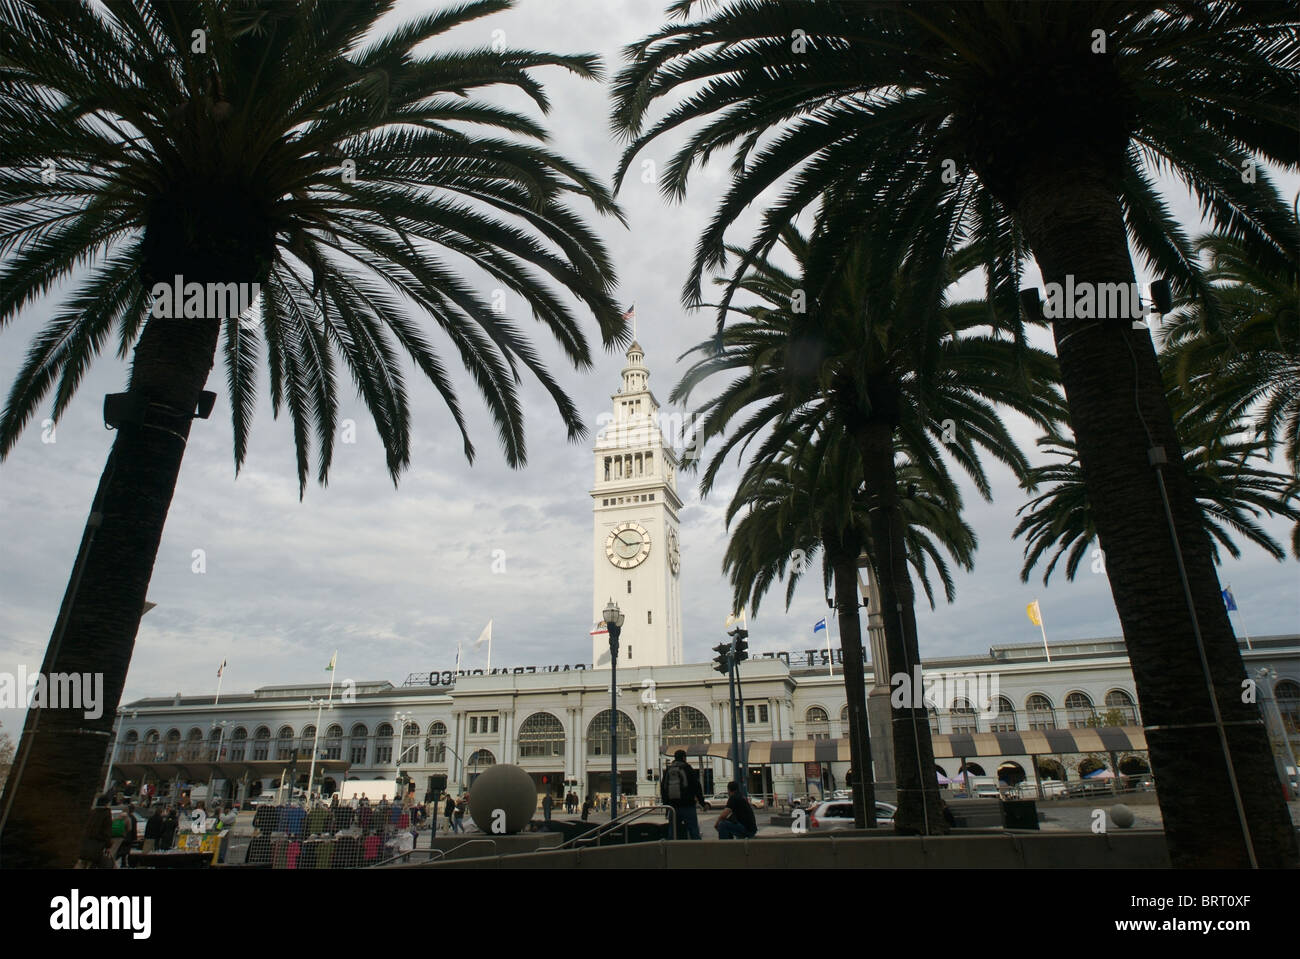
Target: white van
[[373, 789]]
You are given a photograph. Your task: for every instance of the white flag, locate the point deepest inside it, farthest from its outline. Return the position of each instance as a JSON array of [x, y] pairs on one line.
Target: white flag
[[735, 618], [485, 636]]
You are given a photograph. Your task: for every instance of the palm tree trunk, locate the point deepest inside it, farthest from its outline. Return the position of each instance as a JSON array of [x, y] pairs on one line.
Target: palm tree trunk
[[1119, 411], [49, 792], [845, 569], [919, 810]]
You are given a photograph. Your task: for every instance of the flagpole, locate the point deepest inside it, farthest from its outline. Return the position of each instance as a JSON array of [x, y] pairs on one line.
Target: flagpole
[[1241, 620], [333, 662], [1043, 629], [830, 663], [220, 677]]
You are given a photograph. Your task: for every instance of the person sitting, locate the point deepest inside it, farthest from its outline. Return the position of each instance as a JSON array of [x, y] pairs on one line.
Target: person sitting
[[737, 820]]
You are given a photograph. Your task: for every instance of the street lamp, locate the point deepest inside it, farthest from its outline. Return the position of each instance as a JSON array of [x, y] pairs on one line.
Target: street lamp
[[614, 623], [401, 719], [213, 774], [112, 753]]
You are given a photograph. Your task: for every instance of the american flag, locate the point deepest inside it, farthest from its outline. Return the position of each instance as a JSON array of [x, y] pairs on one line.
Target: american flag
[[630, 314]]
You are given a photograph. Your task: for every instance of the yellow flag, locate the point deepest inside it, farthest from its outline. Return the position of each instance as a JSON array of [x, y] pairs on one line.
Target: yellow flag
[[1035, 614]]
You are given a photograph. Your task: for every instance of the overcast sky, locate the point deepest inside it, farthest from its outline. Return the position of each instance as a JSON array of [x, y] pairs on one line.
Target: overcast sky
[[395, 578]]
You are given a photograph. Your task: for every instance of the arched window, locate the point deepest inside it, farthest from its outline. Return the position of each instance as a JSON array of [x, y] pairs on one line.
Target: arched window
[[306, 741], [1004, 719], [975, 769], [963, 717], [1122, 703], [127, 753], [262, 743], [410, 744], [194, 744], [1079, 712], [1040, 714], [817, 722], [480, 758], [216, 742], [238, 744], [172, 747], [541, 734], [1286, 693], [334, 742], [435, 744], [598, 735], [284, 748], [358, 745], [684, 726], [384, 744], [153, 746]]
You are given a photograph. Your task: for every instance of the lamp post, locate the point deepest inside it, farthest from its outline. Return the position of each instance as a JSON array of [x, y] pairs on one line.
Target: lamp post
[[220, 738], [112, 754], [401, 720], [614, 623], [311, 775]]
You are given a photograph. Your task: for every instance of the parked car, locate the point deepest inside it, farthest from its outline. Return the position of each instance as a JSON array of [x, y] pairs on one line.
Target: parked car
[[719, 800], [838, 814]]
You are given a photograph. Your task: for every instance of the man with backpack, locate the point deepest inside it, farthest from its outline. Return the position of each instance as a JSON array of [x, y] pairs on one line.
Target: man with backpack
[[680, 788]]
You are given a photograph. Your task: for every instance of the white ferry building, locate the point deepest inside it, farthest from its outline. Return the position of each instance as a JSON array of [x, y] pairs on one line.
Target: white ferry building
[[1059, 719]]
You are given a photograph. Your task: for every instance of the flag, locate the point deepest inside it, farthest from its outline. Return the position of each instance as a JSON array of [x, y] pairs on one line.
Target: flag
[[629, 314], [485, 636], [820, 625], [222, 667], [1035, 614], [1229, 601], [735, 618], [333, 662], [600, 629]]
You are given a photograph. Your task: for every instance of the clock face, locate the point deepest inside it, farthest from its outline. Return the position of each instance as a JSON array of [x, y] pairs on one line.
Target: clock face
[[627, 545], [674, 552]]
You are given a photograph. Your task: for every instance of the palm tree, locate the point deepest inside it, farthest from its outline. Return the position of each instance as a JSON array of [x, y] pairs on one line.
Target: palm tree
[[1232, 486], [884, 360], [1243, 357], [295, 148], [1051, 119], [806, 500]]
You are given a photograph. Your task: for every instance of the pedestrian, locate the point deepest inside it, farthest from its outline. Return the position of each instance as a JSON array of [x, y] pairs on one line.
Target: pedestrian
[[170, 826], [449, 810], [130, 833], [679, 787], [737, 820], [587, 805], [546, 807], [458, 816], [604, 803], [153, 831]]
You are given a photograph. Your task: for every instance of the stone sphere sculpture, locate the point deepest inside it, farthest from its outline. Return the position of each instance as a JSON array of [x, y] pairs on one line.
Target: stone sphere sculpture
[[1122, 816], [502, 800]]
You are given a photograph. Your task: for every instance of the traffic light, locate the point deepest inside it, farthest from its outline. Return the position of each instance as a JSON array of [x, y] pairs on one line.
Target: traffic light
[[740, 643], [722, 662]]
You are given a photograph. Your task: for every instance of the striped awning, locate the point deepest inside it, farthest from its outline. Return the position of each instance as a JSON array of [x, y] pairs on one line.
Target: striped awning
[[1044, 742]]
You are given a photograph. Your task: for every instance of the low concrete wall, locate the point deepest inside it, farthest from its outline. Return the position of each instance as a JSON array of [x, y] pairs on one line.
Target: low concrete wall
[[1138, 849]]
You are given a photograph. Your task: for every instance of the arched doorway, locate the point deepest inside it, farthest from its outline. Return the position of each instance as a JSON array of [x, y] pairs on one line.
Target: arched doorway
[[1011, 773]]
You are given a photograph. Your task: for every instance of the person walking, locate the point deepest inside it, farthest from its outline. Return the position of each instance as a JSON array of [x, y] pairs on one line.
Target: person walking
[[679, 787], [449, 810], [737, 820], [153, 831], [546, 807], [587, 805], [458, 816], [170, 825], [130, 833]]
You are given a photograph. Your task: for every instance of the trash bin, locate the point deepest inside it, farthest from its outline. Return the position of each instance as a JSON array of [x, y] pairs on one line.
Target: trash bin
[[1019, 814]]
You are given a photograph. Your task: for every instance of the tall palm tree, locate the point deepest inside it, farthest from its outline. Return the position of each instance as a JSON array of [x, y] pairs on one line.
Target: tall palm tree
[[884, 360], [1052, 119], [297, 148], [806, 500]]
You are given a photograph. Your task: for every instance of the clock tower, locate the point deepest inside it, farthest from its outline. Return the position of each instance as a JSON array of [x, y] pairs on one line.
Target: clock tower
[[635, 542]]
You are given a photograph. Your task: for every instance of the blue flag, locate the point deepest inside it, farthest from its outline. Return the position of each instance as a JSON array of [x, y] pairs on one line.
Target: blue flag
[[821, 624], [1229, 601]]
